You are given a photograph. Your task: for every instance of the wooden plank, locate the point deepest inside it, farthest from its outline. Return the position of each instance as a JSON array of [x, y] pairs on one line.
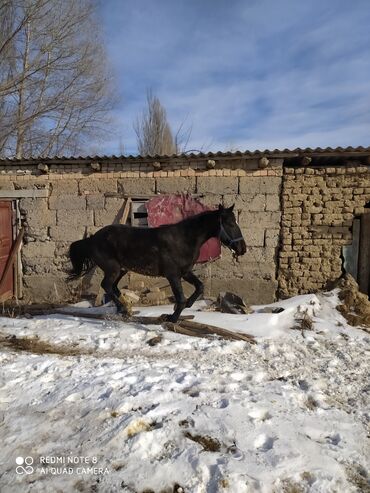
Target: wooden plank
[[211, 329], [15, 248], [126, 211], [185, 325]]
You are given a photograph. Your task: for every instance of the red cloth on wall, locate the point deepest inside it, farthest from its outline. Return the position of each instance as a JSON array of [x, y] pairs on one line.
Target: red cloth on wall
[[170, 209]]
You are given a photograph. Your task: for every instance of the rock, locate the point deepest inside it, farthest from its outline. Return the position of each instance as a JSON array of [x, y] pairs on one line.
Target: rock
[[232, 303]]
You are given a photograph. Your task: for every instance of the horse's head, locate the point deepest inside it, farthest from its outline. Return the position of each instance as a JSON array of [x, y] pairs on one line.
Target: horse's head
[[230, 234]]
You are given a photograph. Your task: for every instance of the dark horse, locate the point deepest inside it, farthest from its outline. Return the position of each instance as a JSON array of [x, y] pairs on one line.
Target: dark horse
[[167, 251]]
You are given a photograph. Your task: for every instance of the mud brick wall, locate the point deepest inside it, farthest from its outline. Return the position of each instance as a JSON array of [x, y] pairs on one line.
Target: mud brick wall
[[319, 205], [79, 199]]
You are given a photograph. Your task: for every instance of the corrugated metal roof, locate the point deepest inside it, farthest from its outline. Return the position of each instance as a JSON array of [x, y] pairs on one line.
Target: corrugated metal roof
[[318, 151]]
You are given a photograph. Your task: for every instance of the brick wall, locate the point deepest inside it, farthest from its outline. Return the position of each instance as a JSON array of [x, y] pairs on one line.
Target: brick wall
[[80, 200], [319, 205]]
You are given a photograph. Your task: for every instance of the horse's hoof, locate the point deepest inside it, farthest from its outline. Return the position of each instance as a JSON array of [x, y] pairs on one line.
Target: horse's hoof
[[124, 313], [168, 318]]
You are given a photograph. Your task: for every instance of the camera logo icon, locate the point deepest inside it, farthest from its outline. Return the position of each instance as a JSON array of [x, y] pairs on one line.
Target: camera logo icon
[[24, 465]]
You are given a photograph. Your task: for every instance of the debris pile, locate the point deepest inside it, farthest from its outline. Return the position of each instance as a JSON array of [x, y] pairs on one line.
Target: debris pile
[[355, 306]]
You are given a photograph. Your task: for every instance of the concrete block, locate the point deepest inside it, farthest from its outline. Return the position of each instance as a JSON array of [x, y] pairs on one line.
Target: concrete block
[[254, 204], [63, 233], [254, 291], [136, 186], [36, 212], [93, 184], [217, 184], [254, 236], [64, 187], [265, 184], [259, 219], [176, 184], [272, 202], [76, 219], [45, 288], [95, 202], [36, 234], [272, 237], [67, 202], [38, 249], [40, 266], [111, 213]]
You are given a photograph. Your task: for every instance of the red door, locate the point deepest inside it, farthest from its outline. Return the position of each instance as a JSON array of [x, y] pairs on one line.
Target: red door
[[6, 240]]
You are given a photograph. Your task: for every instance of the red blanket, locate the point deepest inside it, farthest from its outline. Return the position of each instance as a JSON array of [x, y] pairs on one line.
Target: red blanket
[[170, 209]]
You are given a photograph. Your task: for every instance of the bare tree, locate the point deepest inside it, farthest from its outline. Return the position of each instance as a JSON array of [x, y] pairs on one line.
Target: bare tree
[[55, 88], [153, 132]]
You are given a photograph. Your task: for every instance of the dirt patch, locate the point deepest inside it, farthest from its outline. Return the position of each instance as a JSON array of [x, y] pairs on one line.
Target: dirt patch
[[355, 306], [358, 476], [208, 443], [36, 346]]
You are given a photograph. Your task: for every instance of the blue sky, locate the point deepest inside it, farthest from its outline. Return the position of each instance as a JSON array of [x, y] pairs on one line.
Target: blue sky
[[250, 74]]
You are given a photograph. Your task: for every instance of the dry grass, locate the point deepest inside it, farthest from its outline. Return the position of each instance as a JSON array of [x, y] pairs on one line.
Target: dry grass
[[358, 476], [289, 486], [35, 346], [303, 320]]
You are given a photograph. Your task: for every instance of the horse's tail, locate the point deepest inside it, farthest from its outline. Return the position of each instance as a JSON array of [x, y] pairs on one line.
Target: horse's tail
[[79, 254]]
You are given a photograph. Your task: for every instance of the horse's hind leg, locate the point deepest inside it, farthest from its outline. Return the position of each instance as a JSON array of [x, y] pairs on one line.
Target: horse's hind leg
[[112, 273], [175, 283], [115, 284], [199, 288]]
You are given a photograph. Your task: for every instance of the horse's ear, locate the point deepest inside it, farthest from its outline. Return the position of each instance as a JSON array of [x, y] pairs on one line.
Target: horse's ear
[[231, 208]]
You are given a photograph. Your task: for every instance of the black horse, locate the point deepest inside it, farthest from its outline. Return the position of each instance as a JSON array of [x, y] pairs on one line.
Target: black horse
[[166, 251]]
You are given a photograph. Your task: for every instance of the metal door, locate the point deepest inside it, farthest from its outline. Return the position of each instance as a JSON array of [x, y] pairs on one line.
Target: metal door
[[6, 240]]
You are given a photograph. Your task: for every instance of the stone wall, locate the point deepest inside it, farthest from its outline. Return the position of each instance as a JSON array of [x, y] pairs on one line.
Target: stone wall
[[319, 205], [79, 199]]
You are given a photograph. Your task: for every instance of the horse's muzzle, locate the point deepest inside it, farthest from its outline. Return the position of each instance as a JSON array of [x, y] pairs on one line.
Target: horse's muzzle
[[239, 248]]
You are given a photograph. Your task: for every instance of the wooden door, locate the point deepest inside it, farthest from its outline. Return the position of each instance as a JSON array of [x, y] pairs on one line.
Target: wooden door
[[364, 254], [6, 240]]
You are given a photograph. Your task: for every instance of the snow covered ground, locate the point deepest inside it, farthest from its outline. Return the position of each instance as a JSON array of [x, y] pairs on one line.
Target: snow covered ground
[[101, 410]]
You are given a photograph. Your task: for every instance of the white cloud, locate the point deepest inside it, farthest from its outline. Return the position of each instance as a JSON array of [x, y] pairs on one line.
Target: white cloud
[[257, 74]]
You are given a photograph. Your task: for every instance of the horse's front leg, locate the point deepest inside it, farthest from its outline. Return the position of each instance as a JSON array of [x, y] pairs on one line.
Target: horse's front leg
[[175, 283], [199, 288]]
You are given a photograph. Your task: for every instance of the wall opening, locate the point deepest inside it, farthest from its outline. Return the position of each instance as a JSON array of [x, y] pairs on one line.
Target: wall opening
[[357, 255]]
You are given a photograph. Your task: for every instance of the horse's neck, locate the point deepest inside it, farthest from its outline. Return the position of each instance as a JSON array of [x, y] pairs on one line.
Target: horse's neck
[[205, 226]]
